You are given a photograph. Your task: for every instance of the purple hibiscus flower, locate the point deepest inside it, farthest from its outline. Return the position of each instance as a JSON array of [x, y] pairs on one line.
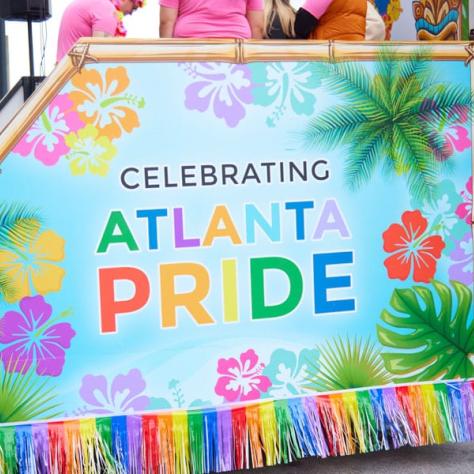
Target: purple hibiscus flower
[[461, 256], [33, 338], [225, 87], [123, 396]]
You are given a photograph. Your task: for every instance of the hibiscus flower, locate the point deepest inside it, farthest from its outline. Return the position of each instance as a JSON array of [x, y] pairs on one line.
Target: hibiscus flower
[[225, 89], [412, 249], [32, 337], [123, 394], [90, 152], [45, 140], [242, 378], [464, 210], [33, 267], [102, 101]]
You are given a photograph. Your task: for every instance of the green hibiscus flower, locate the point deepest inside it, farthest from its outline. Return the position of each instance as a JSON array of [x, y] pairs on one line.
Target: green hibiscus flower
[[286, 86], [289, 372], [441, 214]]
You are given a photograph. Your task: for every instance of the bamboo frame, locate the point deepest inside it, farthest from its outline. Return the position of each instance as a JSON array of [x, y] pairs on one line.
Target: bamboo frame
[[104, 50]]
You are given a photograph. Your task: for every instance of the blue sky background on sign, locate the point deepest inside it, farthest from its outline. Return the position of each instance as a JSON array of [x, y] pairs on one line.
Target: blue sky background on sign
[[77, 209]]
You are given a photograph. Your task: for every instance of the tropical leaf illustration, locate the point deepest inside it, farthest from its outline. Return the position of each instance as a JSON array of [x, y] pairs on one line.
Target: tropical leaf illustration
[[430, 339], [6, 287], [17, 224], [346, 364], [392, 119], [24, 396]]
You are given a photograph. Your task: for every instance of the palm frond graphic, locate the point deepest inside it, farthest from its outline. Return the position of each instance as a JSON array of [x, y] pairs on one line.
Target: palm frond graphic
[[24, 396], [7, 289], [347, 364], [18, 224], [390, 119]]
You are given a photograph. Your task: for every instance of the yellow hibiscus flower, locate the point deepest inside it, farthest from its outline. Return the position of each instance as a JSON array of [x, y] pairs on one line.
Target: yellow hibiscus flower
[[31, 268], [89, 152], [102, 102]]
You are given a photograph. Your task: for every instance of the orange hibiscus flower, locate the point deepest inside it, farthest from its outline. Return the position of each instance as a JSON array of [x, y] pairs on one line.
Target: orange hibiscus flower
[[103, 102], [411, 249]]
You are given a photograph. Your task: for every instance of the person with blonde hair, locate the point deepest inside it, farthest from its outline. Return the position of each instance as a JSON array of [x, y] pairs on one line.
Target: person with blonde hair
[[279, 18]]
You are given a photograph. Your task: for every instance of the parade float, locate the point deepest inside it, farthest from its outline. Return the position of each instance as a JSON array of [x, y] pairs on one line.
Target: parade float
[[218, 255]]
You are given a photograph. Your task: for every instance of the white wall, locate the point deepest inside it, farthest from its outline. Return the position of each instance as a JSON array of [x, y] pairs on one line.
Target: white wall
[[404, 27]]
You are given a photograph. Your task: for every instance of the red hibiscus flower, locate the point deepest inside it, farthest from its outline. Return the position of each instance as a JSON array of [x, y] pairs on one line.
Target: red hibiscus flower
[[411, 248]]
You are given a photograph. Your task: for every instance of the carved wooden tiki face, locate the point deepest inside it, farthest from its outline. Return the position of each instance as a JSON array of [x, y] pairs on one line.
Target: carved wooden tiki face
[[438, 19]]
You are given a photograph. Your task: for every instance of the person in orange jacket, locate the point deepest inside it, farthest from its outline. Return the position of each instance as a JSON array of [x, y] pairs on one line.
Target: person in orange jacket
[[332, 20]]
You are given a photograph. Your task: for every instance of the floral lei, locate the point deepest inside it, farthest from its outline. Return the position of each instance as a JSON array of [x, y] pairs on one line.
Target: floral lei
[[121, 30]]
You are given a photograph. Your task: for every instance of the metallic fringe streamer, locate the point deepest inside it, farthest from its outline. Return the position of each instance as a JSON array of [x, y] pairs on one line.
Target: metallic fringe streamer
[[247, 436]]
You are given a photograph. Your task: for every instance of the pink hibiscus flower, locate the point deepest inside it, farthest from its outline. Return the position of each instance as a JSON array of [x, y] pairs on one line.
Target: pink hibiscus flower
[[456, 135], [464, 210], [241, 379], [33, 338], [454, 129], [45, 139]]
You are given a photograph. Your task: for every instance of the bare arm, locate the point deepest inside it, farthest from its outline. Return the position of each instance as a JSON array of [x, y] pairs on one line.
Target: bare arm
[[255, 19], [167, 21]]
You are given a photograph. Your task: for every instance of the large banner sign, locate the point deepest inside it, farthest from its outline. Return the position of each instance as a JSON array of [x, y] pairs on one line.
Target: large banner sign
[[236, 260]]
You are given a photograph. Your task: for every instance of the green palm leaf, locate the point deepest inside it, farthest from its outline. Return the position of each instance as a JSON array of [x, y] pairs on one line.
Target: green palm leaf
[[397, 118], [353, 83], [334, 127], [387, 72], [429, 339], [25, 397], [17, 224], [444, 99], [346, 364], [382, 88], [7, 289], [364, 157], [418, 161], [409, 97], [417, 64]]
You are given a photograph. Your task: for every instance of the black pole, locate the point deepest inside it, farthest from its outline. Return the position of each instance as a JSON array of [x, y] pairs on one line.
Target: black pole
[[30, 48], [3, 61]]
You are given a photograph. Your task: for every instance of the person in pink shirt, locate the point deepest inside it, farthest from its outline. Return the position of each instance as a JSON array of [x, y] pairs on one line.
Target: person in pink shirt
[[86, 18], [211, 19]]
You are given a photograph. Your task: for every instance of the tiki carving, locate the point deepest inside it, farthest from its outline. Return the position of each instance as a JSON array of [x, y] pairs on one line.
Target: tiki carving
[[438, 19]]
